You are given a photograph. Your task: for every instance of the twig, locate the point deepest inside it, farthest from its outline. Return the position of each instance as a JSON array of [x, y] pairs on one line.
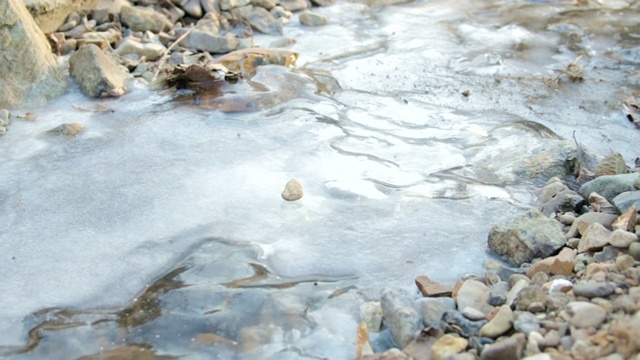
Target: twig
[[163, 58]]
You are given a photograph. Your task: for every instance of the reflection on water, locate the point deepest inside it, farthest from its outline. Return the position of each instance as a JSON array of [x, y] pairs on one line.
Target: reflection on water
[[423, 126]]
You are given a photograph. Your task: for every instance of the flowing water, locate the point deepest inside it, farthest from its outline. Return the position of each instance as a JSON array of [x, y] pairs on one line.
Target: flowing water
[[161, 227]]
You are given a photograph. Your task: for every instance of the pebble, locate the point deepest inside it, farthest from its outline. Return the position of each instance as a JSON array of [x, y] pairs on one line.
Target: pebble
[[143, 19], [622, 238], [473, 314], [561, 264], [431, 288], [529, 295], [634, 250], [624, 261], [292, 190], [583, 314], [515, 290], [432, 310], [509, 349], [501, 323], [593, 289], [594, 238], [151, 51], [526, 323], [400, 316], [567, 218], [454, 321], [295, 5], [448, 345], [474, 294]]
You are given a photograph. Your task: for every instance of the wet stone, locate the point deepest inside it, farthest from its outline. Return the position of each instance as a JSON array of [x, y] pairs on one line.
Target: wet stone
[[456, 322], [309, 18], [593, 289]]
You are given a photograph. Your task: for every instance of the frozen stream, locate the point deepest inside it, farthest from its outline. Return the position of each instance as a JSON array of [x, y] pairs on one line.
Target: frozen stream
[[138, 230]]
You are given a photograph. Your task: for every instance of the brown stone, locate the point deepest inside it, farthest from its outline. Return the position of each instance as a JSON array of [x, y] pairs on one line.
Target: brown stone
[[431, 288], [561, 264], [292, 191]]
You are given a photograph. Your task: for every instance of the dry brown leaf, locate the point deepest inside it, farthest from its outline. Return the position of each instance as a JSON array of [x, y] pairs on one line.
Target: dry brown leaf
[[626, 221], [362, 341]]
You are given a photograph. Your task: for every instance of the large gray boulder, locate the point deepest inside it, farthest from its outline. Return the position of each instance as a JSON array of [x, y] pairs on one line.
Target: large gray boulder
[[529, 236], [28, 70]]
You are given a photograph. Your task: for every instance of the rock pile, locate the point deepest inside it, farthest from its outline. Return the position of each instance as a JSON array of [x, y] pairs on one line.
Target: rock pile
[[109, 42], [575, 294]]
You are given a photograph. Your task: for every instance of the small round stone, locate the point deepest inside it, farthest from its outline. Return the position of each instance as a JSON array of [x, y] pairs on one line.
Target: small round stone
[[292, 191]]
